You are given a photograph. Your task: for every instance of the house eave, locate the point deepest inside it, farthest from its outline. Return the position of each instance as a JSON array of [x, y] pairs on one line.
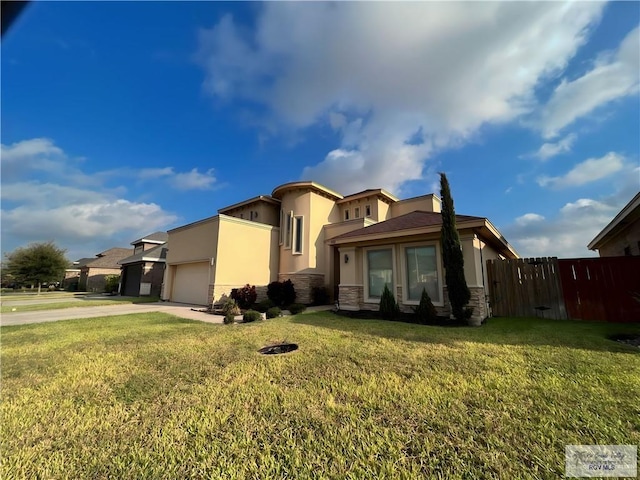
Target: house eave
[[318, 188], [258, 199], [628, 209], [194, 224]]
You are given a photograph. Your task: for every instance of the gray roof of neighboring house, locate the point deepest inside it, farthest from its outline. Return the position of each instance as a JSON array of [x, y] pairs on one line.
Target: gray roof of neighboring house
[[155, 254], [83, 261], [157, 237], [109, 258]]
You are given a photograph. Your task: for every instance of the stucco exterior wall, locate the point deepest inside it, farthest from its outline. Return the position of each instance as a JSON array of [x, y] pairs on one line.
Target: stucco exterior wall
[[197, 242], [192, 243], [427, 203], [628, 237], [247, 252], [261, 212]]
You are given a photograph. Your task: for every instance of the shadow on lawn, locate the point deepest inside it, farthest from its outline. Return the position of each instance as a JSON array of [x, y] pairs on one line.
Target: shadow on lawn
[[498, 331]]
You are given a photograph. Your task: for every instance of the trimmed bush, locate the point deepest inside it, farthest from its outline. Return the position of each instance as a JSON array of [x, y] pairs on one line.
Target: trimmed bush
[[229, 318], [251, 316], [320, 295], [281, 293], [245, 296], [230, 307], [388, 307], [111, 283], [264, 305], [274, 312], [296, 308], [425, 312]]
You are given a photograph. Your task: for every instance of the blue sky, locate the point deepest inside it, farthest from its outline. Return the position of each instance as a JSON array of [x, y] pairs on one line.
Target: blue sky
[[123, 118]]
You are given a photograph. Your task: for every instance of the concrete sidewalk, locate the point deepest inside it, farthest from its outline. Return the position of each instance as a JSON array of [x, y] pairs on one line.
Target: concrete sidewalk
[[178, 309]]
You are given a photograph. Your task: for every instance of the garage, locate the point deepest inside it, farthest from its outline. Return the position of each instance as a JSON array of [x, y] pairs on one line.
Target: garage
[[191, 283], [131, 278]]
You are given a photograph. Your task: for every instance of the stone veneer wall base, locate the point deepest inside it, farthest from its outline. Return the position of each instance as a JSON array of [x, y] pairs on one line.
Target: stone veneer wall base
[[303, 284]]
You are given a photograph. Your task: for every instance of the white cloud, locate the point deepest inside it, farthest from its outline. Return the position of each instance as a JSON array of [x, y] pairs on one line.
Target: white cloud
[[379, 72], [34, 154], [528, 218], [194, 180], [567, 234], [151, 173], [61, 203], [588, 171], [549, 150], [613, 76]]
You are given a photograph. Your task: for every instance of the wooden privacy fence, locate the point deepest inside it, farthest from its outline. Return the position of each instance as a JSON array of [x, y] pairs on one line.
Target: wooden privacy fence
[[525, 287], [585, 288]]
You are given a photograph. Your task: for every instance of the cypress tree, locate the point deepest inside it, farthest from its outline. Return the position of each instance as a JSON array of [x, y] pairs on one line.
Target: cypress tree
[[459, 294]]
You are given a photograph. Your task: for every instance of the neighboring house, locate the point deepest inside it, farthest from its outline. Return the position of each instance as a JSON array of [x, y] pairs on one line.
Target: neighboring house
[[72, 275], [621, 237], [142, 272], [353, 245], [92, 273]]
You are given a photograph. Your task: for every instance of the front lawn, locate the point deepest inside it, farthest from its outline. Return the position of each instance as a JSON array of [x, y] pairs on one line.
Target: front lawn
[[76, 302], [152, 396]]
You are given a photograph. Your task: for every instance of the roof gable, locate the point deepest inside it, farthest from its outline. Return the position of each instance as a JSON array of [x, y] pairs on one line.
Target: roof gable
[[109, 258]]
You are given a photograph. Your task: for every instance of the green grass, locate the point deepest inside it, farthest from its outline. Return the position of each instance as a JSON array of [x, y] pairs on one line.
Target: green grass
[[55, 305], [150, 396], [44, 295]]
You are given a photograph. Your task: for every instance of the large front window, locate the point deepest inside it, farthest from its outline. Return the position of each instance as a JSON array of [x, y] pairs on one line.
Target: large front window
[[379, 271], [422, 273]]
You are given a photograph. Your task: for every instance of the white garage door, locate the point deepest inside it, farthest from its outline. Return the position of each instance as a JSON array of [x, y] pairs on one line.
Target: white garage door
[[191, 283]]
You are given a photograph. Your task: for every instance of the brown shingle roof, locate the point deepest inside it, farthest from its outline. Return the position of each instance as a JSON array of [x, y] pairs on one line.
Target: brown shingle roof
[[109, 258], [409, 221]]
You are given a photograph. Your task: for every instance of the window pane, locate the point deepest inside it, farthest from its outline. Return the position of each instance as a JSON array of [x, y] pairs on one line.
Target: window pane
[[379, 264], [287, 238], [422, 273], [297, 244]]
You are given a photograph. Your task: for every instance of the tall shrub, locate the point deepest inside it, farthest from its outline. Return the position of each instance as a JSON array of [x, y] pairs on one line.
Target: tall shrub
[[459, 294], [389, 309], [425, 312], [282, 294]]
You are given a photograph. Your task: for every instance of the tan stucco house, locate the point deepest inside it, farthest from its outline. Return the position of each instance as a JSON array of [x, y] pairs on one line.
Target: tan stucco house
[[314, 236], [621, 237], [142, 273]]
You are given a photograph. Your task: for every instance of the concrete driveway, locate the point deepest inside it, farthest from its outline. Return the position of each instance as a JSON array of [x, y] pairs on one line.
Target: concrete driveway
[[178, 309]]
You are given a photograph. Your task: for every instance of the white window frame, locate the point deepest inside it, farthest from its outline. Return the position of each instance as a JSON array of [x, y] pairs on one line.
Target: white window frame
[[365, 272], [295, 250], [346, 214], [356, 212], [403, 271], [367, 210]]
